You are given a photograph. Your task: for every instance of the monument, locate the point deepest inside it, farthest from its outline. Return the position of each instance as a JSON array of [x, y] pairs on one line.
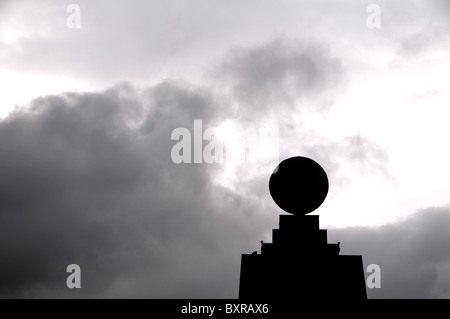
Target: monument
[[300, 263]]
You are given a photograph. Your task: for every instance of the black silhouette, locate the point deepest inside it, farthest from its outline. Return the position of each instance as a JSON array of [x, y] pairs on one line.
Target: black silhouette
[[299, 185], [300, 264]]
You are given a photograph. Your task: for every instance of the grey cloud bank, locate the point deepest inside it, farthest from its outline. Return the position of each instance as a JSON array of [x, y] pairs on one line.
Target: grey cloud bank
[[79, 186], [412, 254]]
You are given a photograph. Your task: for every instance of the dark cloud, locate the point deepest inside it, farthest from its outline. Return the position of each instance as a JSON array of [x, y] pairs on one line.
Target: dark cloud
[[412, 254], [81, 182], [281, 72]]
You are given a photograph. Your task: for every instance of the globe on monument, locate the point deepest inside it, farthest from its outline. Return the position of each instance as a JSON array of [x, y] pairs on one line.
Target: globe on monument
[[298, 185]]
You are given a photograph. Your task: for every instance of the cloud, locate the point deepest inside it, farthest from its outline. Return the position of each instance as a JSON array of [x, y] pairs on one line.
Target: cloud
[[351, 155], [83, 182], [412, 253], [281, 72]]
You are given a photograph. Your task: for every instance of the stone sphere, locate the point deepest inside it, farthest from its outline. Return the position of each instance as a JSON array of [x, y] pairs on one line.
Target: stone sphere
[[298, 185]]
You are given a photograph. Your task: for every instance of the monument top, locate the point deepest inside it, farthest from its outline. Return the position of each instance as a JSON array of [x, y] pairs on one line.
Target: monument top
[[298, 185]]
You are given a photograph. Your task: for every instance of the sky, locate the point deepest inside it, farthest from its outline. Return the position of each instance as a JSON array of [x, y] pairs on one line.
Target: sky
[[89, 107]]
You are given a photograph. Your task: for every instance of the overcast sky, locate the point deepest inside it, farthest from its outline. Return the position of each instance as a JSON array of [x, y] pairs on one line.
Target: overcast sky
[[87, 115]]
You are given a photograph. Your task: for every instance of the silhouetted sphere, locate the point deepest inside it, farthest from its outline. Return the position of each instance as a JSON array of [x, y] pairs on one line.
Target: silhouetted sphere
[[298, 185]]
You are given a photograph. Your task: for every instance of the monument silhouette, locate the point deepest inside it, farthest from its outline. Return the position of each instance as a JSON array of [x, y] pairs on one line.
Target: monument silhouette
[[300, 263]]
